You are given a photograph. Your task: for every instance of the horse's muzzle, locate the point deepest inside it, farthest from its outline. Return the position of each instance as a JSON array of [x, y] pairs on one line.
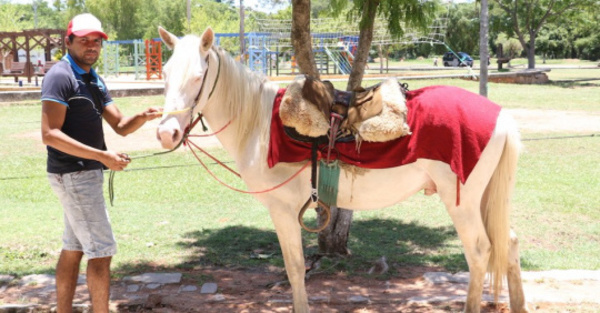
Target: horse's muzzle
[[169, 133]]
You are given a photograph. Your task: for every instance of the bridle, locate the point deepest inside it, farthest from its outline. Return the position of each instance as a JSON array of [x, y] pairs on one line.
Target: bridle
[[190, 144], [197, 99], [190, 126], [195, 121]]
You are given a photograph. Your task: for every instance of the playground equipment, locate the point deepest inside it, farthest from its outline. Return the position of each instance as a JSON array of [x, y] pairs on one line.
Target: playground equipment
[[334, 43], [153, 59], [143, 57], [341, 57]]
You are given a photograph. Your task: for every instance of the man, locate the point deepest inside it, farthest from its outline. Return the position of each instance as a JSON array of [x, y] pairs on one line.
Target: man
[[74, 102]]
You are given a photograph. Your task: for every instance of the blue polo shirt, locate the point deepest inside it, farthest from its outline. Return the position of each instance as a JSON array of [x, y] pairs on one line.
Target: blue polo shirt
[[65, 83]]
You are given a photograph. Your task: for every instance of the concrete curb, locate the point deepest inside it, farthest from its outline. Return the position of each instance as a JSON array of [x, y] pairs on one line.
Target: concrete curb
[[16, 96]]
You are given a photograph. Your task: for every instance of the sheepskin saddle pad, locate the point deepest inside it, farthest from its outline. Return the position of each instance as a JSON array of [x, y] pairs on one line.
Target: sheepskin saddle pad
[[377, 113]]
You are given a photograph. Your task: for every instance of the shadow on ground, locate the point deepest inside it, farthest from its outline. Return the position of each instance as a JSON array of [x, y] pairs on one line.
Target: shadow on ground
[[403, 244]]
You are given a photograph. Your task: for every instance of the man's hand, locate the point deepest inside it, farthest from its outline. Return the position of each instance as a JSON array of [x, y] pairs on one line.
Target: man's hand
[[124, 125], [115, 161], [152, 113]]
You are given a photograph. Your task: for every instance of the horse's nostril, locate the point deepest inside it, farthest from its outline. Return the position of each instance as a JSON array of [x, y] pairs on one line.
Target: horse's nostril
[[175, 137]]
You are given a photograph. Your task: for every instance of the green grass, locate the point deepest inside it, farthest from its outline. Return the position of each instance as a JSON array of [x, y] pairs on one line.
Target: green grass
[[580, 96], [169, 214]]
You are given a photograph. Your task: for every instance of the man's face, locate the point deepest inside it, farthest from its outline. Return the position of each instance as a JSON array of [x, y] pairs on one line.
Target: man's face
[[85, 50]]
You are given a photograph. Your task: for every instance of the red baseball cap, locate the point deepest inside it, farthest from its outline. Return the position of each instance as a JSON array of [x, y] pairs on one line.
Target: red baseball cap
[[84, 24]]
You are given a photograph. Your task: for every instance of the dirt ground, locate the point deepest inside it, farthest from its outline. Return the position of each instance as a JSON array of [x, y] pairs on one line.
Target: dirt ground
[[262, 290], [244, 290]]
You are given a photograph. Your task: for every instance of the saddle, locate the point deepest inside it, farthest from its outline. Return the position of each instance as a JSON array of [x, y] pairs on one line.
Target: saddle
[[313, 110]]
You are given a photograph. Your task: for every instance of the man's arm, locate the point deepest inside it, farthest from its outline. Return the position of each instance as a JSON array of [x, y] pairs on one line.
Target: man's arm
[[53, 117], [124, 125]]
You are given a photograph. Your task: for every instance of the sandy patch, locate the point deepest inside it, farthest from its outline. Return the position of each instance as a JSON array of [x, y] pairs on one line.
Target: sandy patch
[[556, 121]]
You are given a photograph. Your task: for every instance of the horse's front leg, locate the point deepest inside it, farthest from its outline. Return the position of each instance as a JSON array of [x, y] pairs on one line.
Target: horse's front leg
[[288, 232]]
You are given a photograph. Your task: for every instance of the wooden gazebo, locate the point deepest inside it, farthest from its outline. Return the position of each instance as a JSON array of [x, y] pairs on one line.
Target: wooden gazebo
[[28, 40]]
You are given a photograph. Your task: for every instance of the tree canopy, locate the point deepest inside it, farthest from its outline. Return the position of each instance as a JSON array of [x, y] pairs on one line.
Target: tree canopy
[[567, 29], [528, 17]]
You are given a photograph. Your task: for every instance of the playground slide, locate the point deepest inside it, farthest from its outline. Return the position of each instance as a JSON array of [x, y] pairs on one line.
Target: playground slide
[[342, 58]]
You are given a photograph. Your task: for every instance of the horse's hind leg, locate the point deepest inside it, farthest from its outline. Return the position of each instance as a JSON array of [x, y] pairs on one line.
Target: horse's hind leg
[[515, 285], [469, 226], [477, 248]]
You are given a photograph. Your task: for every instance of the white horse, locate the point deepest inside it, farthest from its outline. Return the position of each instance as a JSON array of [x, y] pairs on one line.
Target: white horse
[[201, 77]]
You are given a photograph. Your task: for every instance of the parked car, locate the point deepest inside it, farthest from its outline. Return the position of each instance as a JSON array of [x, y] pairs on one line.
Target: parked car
[[458, 59]]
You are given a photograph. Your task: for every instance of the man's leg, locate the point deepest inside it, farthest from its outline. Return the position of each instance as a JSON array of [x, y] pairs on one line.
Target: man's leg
[[98, 281], [67, 272], [87, 228]]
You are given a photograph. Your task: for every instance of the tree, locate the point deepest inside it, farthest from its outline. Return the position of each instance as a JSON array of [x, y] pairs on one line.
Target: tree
[[14, 18], [483, 47], [301, 39], [398, 14], [528, 17], [118, 17], [511, 47], [554, 41], [464, 19]]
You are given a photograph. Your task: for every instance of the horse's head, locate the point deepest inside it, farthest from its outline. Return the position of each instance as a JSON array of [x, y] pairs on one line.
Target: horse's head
[[188, 82]]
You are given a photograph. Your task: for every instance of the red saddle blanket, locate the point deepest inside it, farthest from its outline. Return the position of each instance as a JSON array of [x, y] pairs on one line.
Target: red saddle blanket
[[448, 124]]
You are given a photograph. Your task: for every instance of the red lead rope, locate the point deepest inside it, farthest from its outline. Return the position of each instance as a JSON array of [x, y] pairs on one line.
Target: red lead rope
[[192, 145]]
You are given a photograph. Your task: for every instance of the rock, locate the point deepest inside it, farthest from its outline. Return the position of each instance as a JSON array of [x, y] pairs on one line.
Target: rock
[[358, 299], [133, 288], [158, 278], [188, 288], [6, 278], [17, 308], [152, 286], [443, 277], [208, 288], [38, 279]]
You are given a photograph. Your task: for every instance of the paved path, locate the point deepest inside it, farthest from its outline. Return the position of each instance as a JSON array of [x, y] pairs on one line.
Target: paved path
[[567, 286]]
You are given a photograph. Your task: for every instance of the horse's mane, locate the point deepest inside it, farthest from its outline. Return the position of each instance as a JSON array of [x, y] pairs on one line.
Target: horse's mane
[[247, 98]]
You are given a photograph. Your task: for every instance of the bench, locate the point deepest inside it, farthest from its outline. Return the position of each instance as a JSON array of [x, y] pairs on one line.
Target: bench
[[19, 69], [502, 61], [46, 68], [501, 57]]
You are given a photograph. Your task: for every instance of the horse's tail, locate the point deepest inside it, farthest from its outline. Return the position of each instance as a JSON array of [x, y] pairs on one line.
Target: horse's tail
[[496, 207]]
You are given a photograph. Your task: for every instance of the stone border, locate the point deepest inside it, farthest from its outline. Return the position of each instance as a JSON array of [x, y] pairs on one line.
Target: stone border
[[15, 96]]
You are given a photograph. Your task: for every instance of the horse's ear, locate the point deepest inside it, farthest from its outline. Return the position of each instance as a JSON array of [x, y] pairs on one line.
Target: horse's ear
[[169, 39], [208, 38]]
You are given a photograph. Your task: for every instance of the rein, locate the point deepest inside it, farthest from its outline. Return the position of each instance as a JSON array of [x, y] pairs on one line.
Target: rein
[[192, 145], [185, 140], [193, 123]]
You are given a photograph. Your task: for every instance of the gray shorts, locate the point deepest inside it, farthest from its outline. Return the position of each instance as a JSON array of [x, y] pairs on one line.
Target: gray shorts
[[87, 225]]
